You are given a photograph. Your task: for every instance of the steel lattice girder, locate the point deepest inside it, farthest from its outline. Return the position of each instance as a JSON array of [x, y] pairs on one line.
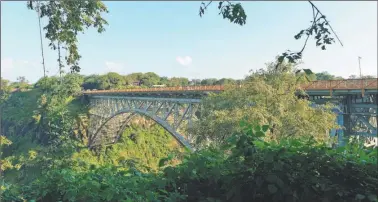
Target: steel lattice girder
[[111, 114], [359, 112]]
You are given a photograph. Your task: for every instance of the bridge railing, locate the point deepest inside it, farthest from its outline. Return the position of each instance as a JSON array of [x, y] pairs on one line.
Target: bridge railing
[[350, 84], [165, 89]]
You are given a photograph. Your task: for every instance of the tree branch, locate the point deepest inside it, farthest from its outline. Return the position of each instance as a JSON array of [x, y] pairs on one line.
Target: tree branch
[[202, 9], [314, 7]]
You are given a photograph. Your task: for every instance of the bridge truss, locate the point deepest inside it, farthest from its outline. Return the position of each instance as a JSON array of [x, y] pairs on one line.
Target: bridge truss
[[174, 107], [110, 115], [358, 114]]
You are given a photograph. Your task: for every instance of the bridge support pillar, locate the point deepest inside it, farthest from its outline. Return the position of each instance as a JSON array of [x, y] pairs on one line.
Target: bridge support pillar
[[347, 114]]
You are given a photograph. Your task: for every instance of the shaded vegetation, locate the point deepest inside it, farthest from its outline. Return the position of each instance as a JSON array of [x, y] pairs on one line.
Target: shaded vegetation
[[265, 145], [258, 142], [268, 96], [246, 168]]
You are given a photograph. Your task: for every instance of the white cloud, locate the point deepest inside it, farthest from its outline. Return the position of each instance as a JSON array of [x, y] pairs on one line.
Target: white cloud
[[114, 66], [184, 61]]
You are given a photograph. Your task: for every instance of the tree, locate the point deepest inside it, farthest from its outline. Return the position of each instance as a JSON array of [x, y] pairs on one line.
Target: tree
[[178, 81], [65, 20], [225, 81], [47, 83], [148, 79], [353, 77], [22, 79], [195, 82], [163, 80], [91, 82], [21, 83], [5, 90], [369, 77], [134, 77], [111, 80], [72, 83], [267, 96], [208, 82], [324, 76]]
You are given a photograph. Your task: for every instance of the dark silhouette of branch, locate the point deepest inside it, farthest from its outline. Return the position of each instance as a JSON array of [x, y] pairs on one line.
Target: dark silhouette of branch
[[202, 9], [235, 13], [319, 29], [314, 7]]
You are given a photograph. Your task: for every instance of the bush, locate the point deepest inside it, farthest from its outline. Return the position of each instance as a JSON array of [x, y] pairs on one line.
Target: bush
[[246, 169]]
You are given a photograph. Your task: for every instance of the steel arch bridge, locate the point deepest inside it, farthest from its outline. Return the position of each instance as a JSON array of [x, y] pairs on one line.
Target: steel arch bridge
[[175, 108], [110, 115]]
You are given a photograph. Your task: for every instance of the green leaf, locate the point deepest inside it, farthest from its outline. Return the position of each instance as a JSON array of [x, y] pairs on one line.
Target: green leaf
[[220, 5], [308, 71], [271, 178], [272, 188], [257, 128], [360, 197], [372, 197], [269, 157], [265, 128], [259, 134], [162, 162]]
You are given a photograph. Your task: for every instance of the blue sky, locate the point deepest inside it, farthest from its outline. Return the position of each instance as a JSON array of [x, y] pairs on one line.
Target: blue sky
[[169, 38]]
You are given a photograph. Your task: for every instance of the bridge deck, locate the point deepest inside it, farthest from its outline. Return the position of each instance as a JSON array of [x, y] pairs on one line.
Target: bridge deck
[[327, 87]]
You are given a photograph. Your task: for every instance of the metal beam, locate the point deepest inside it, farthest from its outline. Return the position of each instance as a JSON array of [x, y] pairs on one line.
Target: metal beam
[[371, 106], [148, 99]]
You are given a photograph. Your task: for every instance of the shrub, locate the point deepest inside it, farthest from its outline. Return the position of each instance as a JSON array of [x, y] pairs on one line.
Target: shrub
[[245, 169]]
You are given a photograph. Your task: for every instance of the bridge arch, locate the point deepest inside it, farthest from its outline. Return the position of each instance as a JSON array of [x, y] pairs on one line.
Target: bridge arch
[[155, 118]]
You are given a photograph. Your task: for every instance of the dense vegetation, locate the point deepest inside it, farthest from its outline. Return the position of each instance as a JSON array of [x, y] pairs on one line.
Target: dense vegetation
[[259, 142], [113, 80], [273, 147]]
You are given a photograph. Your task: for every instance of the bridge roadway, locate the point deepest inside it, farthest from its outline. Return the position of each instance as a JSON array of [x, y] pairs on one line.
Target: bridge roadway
[[315, 88], [173, 107]]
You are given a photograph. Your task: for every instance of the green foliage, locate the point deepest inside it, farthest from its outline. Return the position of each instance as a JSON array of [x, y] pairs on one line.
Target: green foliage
[[149, 79], [145, 145], [208, 82], [47, 126], [91, 82], [225, 81], [268, 96], [246, 168], [114, 80], [48, 160], [21, 84], [65, 20], [324, 76], [18, 110], [5, 90], [47, 83], [111, 80], [319, 28], [177, 81], [234, 12], [71, 84]]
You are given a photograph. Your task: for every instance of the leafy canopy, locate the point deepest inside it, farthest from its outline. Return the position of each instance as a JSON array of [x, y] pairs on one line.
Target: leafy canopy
[[268, 96], [65, 20]]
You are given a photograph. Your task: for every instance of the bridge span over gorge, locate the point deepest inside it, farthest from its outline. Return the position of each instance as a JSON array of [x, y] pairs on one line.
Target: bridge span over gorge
[[175, 108]]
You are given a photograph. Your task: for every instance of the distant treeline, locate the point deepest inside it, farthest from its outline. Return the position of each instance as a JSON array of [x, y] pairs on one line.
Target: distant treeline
[[113, 80]]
